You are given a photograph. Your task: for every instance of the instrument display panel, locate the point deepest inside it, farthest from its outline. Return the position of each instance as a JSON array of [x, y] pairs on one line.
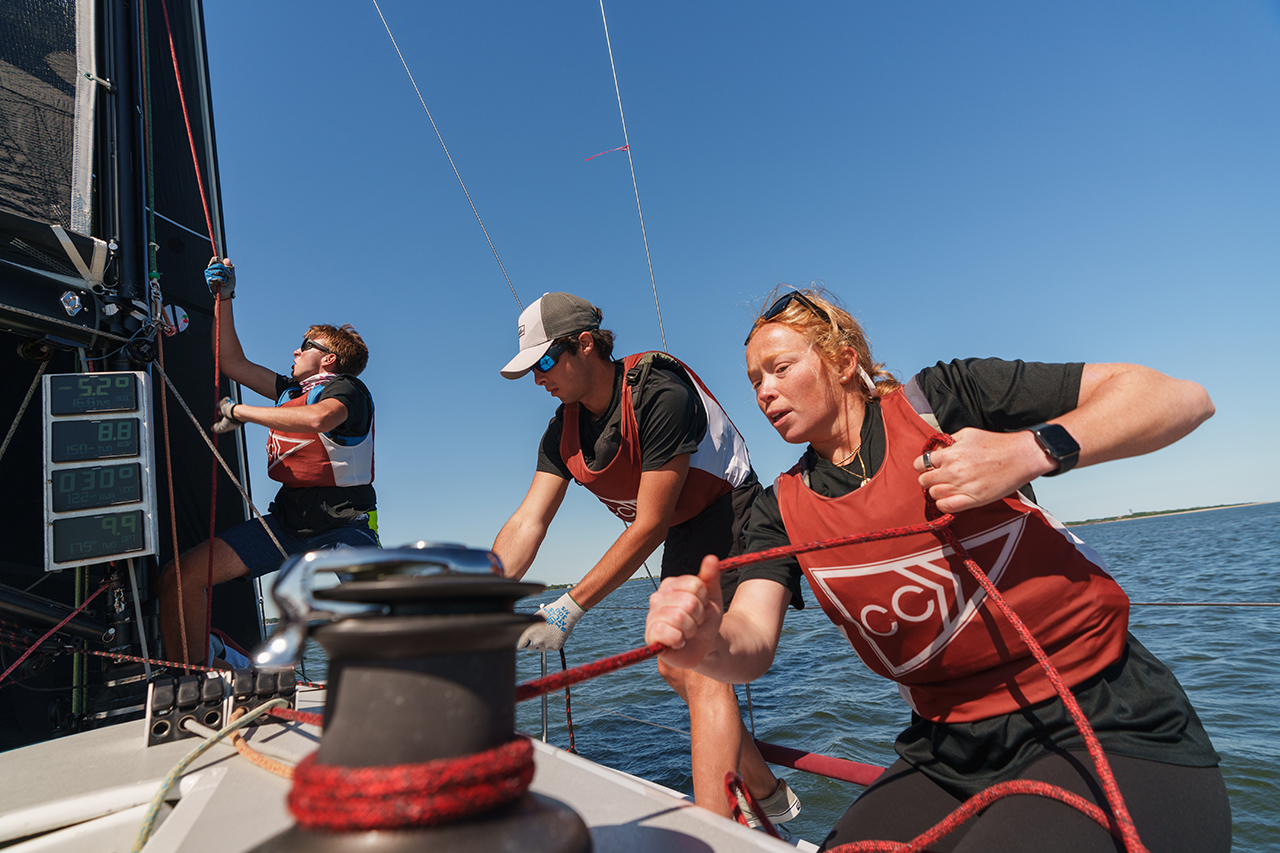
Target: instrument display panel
[[99, 467]]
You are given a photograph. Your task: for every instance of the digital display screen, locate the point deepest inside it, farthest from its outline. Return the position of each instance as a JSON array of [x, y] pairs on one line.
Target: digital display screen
[[103, 485], [90, 536], [74, 441], [78, 394]]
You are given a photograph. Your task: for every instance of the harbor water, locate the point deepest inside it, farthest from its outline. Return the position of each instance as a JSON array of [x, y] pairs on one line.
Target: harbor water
[[819, 697]]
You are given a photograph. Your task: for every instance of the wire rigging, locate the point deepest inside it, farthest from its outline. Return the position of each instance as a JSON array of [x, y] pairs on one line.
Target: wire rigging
[[627, 147], [422, 101]]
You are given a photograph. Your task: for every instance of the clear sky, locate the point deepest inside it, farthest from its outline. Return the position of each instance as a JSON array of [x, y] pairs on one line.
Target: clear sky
[[1084, 181]]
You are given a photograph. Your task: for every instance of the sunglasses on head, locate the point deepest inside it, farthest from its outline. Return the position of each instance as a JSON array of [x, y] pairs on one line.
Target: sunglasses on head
[[307, 344], [781, 305], [552, 355]]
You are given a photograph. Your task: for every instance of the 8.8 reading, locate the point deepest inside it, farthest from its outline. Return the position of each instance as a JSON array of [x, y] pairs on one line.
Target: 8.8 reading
[[76, 440]]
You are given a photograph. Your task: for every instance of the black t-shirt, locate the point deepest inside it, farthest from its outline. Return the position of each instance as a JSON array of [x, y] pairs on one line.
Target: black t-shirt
[[1136, 705], [312, 510], [986, 393], [669, 414]]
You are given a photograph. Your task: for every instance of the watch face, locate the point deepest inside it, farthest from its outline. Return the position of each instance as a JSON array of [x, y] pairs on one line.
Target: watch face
[[1055, 439]]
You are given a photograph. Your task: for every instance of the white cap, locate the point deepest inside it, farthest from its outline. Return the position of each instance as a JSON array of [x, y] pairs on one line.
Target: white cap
[[554, 315]]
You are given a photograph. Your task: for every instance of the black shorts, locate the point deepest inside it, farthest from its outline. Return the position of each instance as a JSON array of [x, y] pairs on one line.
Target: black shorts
[[718, 530]]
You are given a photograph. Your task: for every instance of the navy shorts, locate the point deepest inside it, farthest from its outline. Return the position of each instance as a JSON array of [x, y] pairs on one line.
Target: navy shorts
[[256, 550], [718, 530]]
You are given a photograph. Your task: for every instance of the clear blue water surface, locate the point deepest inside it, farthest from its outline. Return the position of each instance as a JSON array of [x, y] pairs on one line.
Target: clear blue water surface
[[819, 697]]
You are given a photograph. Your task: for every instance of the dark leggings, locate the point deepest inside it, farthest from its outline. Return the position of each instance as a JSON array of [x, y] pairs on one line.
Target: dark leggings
[[1174, 808]]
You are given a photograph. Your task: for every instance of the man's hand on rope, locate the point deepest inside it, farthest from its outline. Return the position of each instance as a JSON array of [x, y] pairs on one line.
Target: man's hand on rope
[[228, 423], [981, 467], [221, 278], [560, 616], [685, 614]]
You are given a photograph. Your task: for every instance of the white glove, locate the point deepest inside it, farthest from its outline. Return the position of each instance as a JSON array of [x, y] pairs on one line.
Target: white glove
[[560, 616], [226, 408]]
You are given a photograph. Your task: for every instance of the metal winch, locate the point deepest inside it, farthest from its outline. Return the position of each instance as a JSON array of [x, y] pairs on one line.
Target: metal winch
[[421, 643]]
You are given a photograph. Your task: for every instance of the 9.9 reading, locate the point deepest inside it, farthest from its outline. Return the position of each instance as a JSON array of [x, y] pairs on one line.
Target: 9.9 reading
[[91, 536]]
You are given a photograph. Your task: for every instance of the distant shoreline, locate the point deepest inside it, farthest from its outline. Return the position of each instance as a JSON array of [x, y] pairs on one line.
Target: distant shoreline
[[1157, 513]]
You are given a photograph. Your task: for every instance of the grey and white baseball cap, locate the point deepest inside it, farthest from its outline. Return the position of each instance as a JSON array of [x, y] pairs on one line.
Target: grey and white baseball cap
[[553, 316]]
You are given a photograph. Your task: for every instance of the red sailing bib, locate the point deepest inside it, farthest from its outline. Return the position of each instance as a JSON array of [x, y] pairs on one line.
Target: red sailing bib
[[318, 459], [717, 467], [915, 615]]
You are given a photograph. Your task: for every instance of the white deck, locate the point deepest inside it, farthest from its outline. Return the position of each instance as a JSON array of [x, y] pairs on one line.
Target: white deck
[[96, 787]]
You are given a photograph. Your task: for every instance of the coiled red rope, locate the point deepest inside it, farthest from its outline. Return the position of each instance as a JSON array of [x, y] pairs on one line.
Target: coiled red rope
[[351, 799]]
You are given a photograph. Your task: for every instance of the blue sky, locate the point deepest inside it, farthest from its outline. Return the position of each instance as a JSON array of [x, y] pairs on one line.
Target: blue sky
[[1088, 181]]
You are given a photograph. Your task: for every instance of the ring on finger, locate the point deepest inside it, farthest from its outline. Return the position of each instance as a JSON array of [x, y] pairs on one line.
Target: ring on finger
[[928, 463]]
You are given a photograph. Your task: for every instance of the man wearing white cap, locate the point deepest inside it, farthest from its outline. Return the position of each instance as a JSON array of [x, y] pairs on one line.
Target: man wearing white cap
[[646, 437]]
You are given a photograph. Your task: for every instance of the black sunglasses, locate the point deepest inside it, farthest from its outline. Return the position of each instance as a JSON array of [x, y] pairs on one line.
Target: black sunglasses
[[781, 305], [552, 355], [307, 344]]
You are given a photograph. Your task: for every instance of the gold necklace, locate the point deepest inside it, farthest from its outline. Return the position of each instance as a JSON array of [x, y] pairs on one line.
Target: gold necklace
[[862, 466], [849, 455]]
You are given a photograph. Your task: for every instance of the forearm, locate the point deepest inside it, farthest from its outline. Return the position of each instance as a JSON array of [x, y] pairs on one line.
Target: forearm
[[619, 563], [517, 545], [742, 651], [1128, 410], [520, 538], [319, 417], [232, 360], [1123, 410]]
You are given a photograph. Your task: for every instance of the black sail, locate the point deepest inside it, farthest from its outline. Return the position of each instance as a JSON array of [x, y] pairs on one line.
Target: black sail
[[77, 81]]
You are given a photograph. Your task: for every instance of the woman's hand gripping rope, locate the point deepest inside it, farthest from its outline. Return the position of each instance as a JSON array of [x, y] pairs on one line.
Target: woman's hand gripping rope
[[684, 615]]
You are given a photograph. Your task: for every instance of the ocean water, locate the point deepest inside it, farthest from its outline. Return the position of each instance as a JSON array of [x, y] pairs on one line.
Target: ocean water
[[819, 697]]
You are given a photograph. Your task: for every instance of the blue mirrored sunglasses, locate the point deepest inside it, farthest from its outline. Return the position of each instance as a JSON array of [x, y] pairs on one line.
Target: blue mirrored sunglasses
[[552, 355]]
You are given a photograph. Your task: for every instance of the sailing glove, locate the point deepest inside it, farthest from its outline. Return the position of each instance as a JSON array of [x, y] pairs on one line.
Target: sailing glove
[[228, 422], [549, 636], [221, 279]]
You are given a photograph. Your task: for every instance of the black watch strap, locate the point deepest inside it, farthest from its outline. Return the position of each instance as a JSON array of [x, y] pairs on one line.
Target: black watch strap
[[1058, 445]]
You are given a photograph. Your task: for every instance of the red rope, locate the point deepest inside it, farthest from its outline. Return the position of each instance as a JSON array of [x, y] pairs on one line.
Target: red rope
[[536, 687], [348, 799], [53, 631], [186, 118], [217, 322], [733, 787], [305, 717], [971, 807], [586, 672], [568, 710]]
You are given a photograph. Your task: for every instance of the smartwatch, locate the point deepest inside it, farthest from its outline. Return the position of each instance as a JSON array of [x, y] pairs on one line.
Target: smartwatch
[[1058, 445]]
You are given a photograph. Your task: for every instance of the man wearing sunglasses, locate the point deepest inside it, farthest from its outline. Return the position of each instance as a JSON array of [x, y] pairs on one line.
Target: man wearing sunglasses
[[319, 448], [646, 437]]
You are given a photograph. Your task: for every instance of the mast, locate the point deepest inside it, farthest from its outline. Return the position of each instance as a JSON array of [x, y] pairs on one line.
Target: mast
[[122, 190]]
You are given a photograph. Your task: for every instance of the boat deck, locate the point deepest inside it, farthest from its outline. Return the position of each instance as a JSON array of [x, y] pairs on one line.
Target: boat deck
[[90, 791]]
